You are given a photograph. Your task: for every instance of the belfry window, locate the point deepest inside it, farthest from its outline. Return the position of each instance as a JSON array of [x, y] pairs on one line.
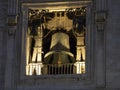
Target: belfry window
[[55, 41]]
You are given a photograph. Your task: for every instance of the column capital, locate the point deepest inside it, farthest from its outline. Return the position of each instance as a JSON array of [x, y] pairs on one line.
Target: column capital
[[12, 20], [100, 19], [12, 12]]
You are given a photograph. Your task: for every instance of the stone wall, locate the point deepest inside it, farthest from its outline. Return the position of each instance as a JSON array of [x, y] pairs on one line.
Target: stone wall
[[111, 54], [3, 31], [113, 45]]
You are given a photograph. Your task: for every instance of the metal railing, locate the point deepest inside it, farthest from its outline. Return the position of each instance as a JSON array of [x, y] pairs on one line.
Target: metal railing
[[53, 69], [59, 69]]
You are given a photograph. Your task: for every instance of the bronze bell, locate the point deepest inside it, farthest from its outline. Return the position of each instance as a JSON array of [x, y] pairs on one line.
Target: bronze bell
[[59, 50]]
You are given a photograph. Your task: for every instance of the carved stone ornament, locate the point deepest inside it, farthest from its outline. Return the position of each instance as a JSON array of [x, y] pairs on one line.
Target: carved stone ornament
[[11, 30], [12, 20], [100, 18]]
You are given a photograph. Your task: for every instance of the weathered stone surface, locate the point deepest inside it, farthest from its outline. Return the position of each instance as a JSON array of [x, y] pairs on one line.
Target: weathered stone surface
[[3, 0], [113, 45], [3, 14], [3, 8]]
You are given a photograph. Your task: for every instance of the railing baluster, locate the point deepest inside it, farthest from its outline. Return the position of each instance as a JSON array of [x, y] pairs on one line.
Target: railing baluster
[[64, 69], [58, 68], [67, 68], [48, 66], [70, 68], [55, 68], [52, 69]]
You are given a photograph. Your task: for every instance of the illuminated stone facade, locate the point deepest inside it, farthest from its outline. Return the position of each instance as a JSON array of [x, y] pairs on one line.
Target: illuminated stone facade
[[99, 46]]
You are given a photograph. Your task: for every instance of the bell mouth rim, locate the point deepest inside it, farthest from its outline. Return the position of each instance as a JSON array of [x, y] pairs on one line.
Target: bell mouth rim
[[51, 52]]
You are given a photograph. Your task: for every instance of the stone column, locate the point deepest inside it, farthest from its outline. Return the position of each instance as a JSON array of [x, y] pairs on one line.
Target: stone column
[[100, 20], [10, 75]]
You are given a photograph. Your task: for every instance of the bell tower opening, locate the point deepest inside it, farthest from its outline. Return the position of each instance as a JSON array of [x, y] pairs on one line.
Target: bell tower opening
[[56, 41]]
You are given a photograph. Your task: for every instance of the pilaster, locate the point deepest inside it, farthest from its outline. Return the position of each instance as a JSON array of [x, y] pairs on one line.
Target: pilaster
[[100, 21], [11, 28], [100, 4]]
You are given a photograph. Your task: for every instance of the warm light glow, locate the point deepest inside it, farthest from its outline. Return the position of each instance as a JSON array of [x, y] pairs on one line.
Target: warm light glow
[[57, 10], [34, 68], [80, 67], [34, 53], [61, 38]]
